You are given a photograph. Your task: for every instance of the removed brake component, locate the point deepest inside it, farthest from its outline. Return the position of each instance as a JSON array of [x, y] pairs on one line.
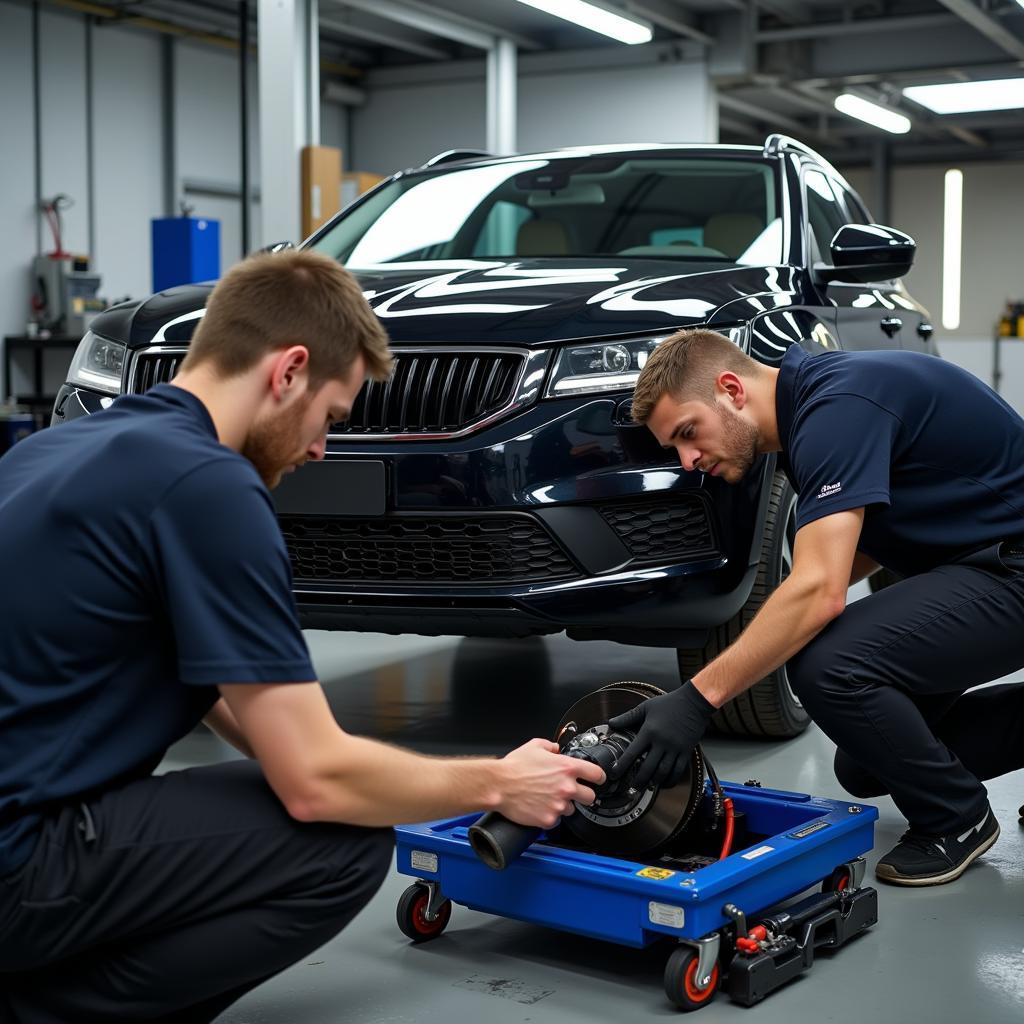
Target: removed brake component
[[623, 820]]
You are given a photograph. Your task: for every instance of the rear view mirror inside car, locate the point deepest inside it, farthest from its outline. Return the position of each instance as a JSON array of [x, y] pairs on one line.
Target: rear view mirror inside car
[[587, 193]]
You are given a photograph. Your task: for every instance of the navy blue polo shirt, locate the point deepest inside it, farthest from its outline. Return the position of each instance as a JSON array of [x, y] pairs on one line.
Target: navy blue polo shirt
[[935, 457], [142, 565]]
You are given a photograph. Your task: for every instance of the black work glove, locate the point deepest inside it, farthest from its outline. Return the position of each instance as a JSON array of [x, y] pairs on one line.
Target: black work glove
[[667, 729]]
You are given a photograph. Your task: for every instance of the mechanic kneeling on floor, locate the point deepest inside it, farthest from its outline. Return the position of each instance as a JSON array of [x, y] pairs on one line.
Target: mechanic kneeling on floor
[[147, 587], [900, 460]]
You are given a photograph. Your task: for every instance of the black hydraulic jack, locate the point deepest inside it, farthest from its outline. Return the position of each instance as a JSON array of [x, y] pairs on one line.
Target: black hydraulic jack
[[784, 943]]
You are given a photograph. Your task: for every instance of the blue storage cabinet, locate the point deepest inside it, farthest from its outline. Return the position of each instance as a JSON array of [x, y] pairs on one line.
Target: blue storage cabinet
[[185, 250]]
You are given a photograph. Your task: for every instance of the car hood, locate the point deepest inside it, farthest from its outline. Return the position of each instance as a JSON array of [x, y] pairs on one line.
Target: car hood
[[523, 301], [169, 316]]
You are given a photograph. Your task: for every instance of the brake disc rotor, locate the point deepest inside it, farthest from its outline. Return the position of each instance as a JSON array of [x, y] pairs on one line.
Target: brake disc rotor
[[631, 822]]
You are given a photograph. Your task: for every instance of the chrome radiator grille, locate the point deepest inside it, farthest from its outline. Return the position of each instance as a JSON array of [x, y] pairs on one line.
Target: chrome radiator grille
[[430, 393], [151, 368], [435, 393]]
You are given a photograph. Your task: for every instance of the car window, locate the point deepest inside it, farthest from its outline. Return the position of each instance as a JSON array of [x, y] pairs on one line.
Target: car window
[[856, 212], [824, 214], [501, 229], [711, 210]]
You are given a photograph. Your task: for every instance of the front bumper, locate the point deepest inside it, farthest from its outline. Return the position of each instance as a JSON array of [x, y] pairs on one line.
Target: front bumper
[[672, 606], [643, 551], [618, 542], [73, 402]]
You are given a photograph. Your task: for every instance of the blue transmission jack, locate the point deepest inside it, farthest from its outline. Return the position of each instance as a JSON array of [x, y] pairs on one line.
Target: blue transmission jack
[[719, 915]]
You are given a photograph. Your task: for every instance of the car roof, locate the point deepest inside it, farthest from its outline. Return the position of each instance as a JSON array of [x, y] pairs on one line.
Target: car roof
[[774, 146], [465, 157]]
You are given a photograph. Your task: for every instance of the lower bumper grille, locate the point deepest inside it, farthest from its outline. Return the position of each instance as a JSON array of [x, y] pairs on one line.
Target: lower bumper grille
[[666, 529], [490, 550]]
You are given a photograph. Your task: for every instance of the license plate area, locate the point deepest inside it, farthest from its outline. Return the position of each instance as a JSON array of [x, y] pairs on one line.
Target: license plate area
[[338, 487]]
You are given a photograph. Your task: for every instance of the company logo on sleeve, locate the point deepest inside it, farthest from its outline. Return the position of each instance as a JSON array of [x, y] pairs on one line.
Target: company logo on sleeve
[[828, 490]]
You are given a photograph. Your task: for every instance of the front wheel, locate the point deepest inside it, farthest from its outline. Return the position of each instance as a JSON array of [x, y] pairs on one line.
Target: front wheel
[[770, 708]]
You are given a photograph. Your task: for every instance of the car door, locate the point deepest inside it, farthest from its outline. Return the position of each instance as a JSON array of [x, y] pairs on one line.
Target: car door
[[867, 316]]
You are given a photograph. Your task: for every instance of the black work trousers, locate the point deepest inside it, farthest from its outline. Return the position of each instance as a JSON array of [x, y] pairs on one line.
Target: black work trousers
[[170, 897], [887, 681]]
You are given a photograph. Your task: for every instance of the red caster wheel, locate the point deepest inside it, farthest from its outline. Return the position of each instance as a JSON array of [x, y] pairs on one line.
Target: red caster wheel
[[681, 980], [412, 914], [839, 881]]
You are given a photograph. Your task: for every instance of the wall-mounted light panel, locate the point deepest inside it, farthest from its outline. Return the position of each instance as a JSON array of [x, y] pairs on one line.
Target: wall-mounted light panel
[[952, 245]]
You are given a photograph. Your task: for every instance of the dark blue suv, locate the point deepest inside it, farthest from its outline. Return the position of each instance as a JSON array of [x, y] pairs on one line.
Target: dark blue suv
[[496, 485]]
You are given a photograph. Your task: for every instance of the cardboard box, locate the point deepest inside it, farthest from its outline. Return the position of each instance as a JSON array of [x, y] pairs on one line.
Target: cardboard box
[[321, 186], [355, 183]]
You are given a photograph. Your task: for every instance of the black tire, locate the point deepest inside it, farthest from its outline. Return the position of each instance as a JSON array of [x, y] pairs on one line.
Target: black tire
[[410, 914], [680, 980], [769, 709]]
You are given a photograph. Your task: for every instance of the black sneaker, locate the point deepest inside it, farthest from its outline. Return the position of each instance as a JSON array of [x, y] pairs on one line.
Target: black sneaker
[[919, 859]]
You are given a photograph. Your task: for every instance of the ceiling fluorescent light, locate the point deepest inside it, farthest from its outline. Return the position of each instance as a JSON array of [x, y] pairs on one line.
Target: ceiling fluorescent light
[[961, 97], [597, 19], [872, 113]]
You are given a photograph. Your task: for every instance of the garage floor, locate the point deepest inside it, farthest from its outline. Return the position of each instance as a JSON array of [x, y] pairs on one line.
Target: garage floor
[[952, 953]]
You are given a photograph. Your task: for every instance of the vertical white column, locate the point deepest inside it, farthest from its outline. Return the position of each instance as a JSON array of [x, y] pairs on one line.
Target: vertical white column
[[289, 76], [501, 97], [312, 70], [710, 109]]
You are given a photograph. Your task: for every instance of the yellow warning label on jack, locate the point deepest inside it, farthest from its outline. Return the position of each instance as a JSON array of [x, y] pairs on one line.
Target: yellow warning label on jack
[[656, 873]]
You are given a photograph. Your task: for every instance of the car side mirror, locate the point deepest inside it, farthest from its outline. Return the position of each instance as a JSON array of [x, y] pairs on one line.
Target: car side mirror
[[867, 252]]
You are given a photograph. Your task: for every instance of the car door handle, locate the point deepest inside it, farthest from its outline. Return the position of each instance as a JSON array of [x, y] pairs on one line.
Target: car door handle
[[926, 330], [891, 324]]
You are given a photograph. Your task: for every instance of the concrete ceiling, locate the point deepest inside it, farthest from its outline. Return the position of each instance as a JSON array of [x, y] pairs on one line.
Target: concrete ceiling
[[778, 64]]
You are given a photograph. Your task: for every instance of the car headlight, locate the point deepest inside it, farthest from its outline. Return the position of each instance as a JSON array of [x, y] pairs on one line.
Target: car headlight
[[600, 366], [97, 364]]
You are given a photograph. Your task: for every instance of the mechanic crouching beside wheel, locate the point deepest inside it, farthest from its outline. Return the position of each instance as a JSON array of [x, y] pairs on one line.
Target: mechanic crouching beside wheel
[[900, 460], [147, 587]]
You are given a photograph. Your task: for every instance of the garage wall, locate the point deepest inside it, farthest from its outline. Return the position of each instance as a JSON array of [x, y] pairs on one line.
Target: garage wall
[[63, 124], [334, 129], [991, 259], [128, 156], [17, 169], [208, 142], [665, 102], [645, 94], [130, 165]]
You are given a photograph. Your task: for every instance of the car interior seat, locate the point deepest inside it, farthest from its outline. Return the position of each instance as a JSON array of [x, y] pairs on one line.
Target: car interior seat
[[542, 238], [731, 233]]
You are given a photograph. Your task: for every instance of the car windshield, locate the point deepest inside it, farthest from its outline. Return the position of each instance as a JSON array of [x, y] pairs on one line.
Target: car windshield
[[706, 210]]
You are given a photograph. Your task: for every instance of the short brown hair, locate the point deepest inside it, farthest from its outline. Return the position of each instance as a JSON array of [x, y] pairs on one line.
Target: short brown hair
[[300, 297], [686, 366]]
